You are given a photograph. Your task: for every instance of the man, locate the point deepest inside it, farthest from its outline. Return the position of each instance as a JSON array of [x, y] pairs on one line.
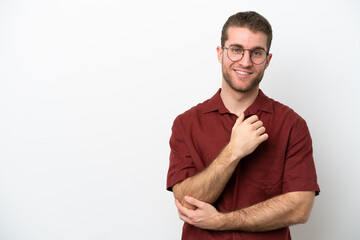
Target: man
[[241, 164]]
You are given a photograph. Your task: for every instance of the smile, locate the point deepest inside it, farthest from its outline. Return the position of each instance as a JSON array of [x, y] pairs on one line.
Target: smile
[[241, 72]]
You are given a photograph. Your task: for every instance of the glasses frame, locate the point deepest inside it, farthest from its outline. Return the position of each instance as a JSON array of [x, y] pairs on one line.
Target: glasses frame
[[251, 51]]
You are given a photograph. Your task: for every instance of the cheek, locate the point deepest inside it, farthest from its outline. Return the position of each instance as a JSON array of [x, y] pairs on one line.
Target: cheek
[[261, 68], [226, 62]]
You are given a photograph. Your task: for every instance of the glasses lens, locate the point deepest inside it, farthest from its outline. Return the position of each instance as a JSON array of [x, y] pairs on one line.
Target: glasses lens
[[235, 53], [258, 56]]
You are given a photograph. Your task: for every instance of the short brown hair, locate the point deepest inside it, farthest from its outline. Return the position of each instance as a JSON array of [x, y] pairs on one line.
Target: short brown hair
[[251, 20]]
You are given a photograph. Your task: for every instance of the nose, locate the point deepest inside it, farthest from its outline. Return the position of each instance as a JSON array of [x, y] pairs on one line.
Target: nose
[[246, 59]]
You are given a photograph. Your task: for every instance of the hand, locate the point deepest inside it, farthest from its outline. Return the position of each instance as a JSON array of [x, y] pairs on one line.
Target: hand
[[246, 136], [205, 216]]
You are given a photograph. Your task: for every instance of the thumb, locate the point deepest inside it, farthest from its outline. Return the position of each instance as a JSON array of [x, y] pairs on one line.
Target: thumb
[[240, 119], [194, 201]]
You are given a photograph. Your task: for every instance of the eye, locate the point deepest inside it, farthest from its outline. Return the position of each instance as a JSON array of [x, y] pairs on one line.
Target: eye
[[258, 53], [236, 50]]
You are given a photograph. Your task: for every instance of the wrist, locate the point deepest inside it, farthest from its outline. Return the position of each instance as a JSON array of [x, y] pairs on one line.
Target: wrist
[[221, 219], [230, 221], [233, 153], [226, 221]]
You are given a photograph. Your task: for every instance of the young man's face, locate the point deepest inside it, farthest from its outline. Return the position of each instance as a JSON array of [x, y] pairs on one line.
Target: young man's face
[[243, 75]]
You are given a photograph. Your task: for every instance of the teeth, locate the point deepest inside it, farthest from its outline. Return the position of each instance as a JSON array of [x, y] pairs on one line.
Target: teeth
[[241, 72]]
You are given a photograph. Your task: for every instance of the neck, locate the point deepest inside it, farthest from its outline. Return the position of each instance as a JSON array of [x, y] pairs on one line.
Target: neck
[[237, 102]]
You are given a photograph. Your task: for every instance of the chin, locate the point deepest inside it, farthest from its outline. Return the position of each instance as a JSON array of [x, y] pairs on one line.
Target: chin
[[242, 86], [244, 89]]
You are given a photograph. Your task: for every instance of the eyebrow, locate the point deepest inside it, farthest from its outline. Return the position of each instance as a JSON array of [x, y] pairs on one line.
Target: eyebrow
[[241, 46]]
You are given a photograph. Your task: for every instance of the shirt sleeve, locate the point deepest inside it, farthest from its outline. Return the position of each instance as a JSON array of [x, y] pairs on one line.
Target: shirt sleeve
[[181, 164], [299, 171]]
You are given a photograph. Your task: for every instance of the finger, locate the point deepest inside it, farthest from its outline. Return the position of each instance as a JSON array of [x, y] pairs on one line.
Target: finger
[[263, 137], [186, 219], [252, 119], [181, 209], [258, 124], [194, 201], [241, 117], [260, 130], [181, 215], [177, 203]]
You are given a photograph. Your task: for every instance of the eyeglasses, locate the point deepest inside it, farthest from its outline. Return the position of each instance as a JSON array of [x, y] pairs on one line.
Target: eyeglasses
[[236, 53]]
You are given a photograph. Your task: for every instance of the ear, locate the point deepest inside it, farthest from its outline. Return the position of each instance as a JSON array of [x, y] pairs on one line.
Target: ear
[[268, 58], [219, 53]]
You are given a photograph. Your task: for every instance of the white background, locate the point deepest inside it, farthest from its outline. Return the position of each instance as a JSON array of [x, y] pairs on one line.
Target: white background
[[89, 90]]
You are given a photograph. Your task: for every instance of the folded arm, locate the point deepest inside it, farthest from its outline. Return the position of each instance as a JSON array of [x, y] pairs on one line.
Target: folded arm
[[208, 184], [278, 212]]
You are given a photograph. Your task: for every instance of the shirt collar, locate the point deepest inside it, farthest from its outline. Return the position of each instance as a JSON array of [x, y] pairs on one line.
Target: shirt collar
[[261, 103], [216, 104]]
